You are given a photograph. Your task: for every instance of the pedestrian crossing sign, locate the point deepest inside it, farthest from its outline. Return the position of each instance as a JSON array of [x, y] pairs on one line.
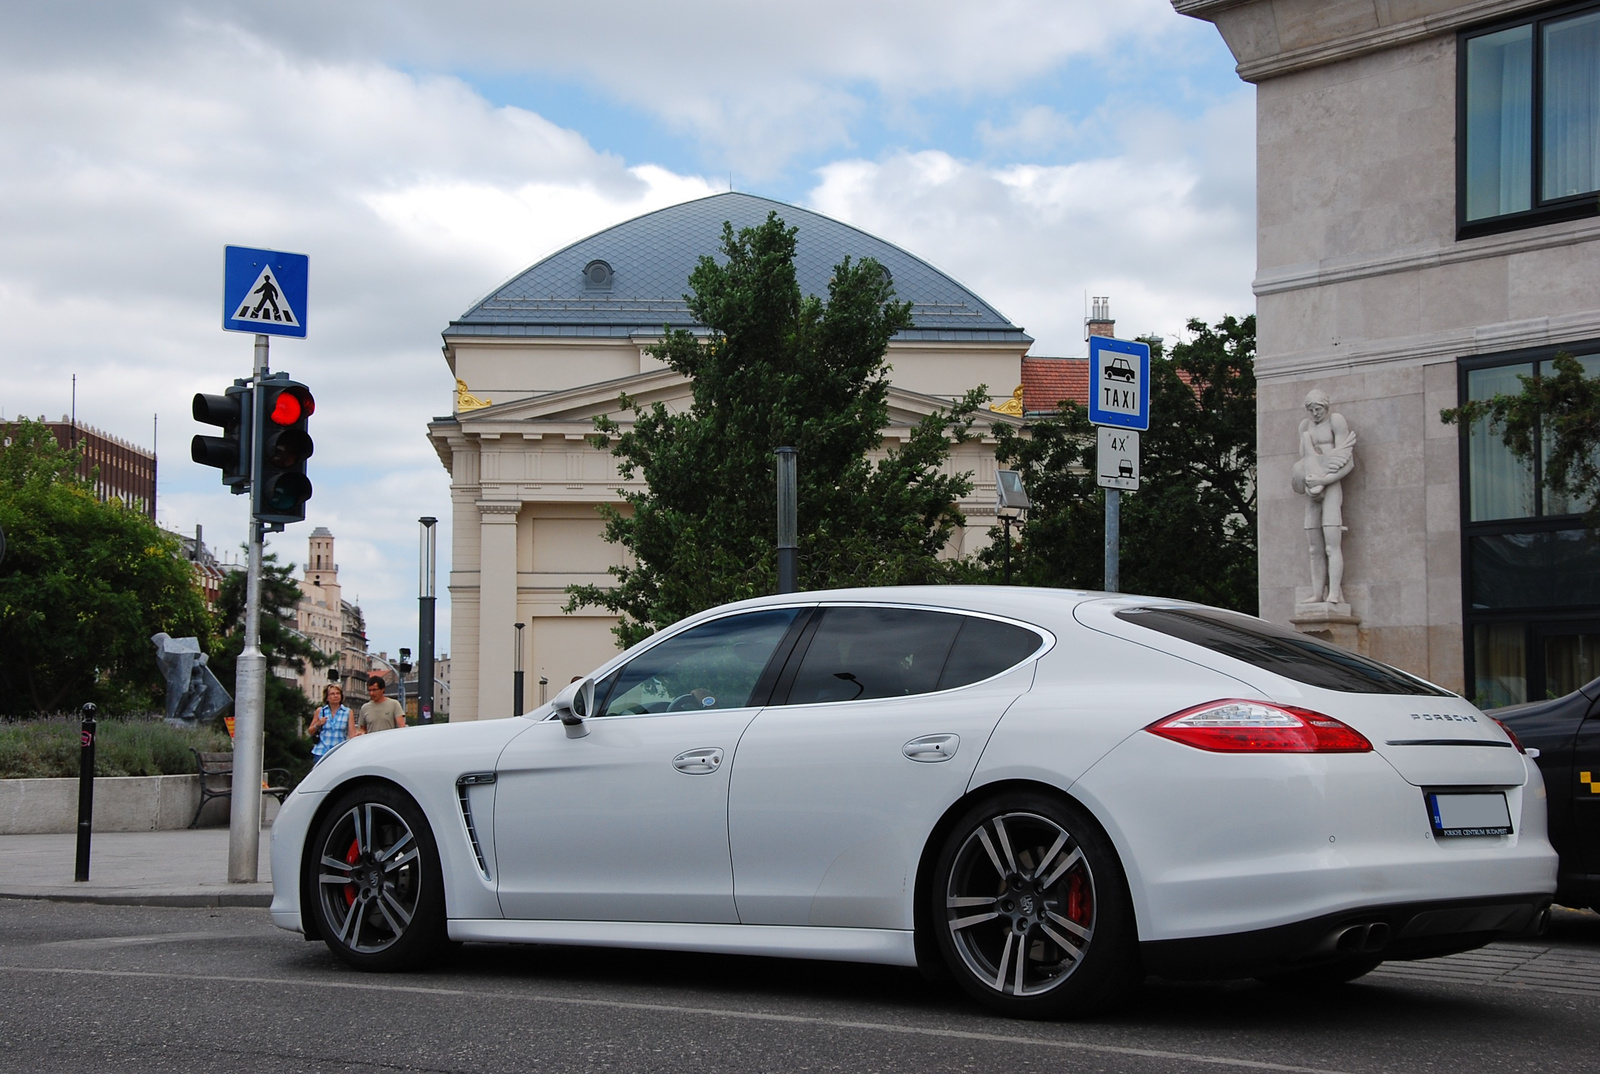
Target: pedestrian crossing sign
[[264, 291]]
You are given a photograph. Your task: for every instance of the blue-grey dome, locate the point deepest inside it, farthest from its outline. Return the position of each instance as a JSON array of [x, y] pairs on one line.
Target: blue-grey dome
[[630, 279]]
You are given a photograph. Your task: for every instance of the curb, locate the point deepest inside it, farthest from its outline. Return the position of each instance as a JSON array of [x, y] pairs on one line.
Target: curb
[[253, 899]]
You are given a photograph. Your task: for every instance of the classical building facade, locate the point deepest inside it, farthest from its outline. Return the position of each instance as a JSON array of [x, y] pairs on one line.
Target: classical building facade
[[1427, 230], [537, 359], [331, 623]]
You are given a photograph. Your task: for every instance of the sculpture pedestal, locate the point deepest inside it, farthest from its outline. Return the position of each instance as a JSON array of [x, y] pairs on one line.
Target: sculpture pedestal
[[1330, 622]]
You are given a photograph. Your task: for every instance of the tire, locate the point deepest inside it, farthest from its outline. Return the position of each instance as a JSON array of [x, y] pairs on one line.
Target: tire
[[1031, 910], [1325, 975], [374, 882]]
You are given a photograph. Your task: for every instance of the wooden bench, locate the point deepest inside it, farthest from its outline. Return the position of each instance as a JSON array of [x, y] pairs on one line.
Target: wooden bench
[[216, 780]]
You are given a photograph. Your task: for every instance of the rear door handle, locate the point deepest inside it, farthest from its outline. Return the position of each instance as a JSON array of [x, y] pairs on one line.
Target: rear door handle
[[931, 748], [701, 762]]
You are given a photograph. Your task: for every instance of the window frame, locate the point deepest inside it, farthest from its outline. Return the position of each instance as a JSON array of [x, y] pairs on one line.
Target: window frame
[[1540, 210], [1534, 619]]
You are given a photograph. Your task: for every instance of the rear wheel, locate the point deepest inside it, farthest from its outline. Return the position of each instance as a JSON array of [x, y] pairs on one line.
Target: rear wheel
[[375, 885], [1031, 909]]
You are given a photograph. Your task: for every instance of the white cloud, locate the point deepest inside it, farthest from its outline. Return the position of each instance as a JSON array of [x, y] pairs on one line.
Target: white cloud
[[1158, 232]]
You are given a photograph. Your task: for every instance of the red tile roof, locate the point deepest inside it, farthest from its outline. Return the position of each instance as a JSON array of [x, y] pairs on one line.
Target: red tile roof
[[1047, 381]]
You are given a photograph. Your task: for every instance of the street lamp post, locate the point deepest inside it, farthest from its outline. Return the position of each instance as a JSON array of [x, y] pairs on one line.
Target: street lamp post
[[1011, 503], [426, 607], [516, 677], [788, 527]]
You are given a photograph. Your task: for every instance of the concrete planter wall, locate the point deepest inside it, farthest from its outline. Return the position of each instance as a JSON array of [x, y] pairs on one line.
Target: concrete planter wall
[[121, 804]]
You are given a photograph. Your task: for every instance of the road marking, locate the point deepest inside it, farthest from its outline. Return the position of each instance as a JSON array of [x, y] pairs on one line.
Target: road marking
[[137, 941], [712, 1012]]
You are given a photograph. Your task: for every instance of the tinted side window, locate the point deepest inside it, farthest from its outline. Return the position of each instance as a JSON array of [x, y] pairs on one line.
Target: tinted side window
[[861, 653], [714, 665], [984, 648], [1283, 652]]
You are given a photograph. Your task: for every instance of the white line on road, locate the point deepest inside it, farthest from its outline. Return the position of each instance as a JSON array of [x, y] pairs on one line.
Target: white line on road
[[711, 1012]]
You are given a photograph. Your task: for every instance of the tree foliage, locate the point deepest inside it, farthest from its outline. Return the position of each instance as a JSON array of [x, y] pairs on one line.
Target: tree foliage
[[83, 587], [1190, 530], [777, 368], [1562, 413], [287, 708]]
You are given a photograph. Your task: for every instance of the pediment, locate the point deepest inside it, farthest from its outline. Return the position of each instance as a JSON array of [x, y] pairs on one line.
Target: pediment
[[574, 409]]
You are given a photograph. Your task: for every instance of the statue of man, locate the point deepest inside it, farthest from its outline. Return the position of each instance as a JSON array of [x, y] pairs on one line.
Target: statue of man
[[1327, 454]]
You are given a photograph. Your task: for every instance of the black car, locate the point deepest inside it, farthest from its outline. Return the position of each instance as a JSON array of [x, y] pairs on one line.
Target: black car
[[1566, 732]]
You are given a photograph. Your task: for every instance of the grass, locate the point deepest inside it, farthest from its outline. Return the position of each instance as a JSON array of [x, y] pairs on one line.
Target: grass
[[49, 748]]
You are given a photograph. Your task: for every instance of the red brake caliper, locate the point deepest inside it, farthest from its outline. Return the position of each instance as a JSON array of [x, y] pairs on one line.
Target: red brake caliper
[[353, 856], [1080, 903]]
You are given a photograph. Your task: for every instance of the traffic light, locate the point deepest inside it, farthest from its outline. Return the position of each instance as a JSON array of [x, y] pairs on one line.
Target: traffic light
[[229, 452], [281, 486]]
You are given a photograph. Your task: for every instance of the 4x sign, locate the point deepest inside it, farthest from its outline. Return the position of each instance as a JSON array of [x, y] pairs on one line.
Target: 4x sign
[[264, 291], [1118, 459], [1119, 382]]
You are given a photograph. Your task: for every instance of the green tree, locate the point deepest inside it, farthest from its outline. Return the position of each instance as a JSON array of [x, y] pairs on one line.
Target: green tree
[[1559, 412], [82, 588], [777, 368], [1190, 530], [287, 708]]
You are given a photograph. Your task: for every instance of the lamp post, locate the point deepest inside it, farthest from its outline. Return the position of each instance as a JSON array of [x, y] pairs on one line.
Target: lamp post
[[1011, 503], [788, 536], [425, 617], [516, 677]]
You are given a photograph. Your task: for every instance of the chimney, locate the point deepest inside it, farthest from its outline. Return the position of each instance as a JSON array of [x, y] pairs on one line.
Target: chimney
[[1099, 322]]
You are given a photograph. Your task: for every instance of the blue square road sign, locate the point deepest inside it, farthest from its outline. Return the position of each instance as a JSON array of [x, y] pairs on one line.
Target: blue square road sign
[[264, 291], [1119, 383]]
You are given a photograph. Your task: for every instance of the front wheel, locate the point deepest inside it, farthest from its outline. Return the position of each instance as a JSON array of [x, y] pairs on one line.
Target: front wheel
[[375, 882], [1031, 909]]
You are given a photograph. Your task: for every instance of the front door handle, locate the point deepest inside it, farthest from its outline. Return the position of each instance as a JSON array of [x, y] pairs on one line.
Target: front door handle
[[701, 762], [931, 748]]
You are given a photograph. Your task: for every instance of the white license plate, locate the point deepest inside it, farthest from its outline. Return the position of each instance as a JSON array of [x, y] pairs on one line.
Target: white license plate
[[1469, 814]]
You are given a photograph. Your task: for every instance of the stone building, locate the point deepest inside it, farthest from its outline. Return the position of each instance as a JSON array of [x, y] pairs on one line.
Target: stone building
[[331, 623], [1427, 227], [538, 358]]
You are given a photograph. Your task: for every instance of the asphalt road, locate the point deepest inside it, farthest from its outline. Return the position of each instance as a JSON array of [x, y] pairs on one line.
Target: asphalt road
[[108, 988]]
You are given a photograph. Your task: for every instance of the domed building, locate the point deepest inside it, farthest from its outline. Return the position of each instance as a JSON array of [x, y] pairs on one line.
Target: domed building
[[537, 359]]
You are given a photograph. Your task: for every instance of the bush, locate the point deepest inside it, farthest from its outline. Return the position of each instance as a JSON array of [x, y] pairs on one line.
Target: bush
[[49, 748]]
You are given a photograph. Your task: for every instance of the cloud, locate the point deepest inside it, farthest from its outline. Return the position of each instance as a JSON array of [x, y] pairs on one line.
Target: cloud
[[411, 194], [756, 84], [1160, 231]]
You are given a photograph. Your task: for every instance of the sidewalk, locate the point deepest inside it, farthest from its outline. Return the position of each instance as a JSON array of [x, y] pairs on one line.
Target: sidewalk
[[165, 868]]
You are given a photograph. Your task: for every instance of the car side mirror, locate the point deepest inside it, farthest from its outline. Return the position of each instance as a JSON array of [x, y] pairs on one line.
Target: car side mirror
[[573, 705]]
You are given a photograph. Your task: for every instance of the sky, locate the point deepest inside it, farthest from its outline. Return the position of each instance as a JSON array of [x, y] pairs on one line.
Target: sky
[[1039, 151]]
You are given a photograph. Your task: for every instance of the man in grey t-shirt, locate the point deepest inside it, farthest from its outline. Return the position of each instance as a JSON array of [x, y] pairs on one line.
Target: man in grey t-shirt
[[379, 713]]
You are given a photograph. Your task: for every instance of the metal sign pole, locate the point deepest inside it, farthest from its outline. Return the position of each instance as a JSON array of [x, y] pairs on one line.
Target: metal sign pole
[[250, 684], [425, 619], [1113, 540]]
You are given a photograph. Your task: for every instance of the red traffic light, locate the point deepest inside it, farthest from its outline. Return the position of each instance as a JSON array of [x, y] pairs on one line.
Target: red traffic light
[[290, 406]]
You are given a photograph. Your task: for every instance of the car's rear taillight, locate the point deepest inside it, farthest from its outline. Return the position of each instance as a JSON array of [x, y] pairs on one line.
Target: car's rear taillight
[[1237, 726], [1512, 735]]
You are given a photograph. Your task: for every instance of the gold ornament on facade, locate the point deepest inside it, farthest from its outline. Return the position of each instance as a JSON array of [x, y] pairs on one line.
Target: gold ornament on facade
[[1010, 406], [466, 401]]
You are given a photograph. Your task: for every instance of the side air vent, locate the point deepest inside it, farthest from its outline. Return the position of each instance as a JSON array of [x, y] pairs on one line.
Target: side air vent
[[473, 779]]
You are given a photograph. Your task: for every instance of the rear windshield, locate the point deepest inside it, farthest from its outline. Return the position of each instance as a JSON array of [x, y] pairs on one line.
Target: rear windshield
[[1282, 652]]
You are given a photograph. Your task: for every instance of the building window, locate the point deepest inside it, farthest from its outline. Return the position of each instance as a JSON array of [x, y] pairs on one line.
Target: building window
[[1530, 569], [1529, 116]]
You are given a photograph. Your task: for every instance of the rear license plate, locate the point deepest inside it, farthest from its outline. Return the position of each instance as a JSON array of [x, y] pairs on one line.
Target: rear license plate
[[1469, 814]]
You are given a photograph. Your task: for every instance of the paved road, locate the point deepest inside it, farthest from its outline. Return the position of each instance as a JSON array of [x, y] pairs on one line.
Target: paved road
[[122, 988]]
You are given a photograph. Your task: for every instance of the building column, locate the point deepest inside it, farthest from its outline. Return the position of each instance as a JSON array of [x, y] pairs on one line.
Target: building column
[[497, 607]]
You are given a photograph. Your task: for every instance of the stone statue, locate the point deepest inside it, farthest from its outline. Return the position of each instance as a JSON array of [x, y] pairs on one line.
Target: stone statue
[[1327, 455]]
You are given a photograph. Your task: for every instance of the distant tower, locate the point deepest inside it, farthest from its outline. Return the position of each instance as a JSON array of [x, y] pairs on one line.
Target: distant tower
[[320, 568], [1099, 322]]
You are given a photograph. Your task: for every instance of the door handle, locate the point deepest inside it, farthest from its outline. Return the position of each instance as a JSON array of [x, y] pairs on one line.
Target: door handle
[[931, 748], [701, 762]]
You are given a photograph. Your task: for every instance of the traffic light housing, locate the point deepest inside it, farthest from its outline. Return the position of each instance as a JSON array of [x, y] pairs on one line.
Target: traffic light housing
[[281, 485], [229, 452]]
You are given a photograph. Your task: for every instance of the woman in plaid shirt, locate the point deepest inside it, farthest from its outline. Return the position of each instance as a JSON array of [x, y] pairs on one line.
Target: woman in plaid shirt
[[331, 724]]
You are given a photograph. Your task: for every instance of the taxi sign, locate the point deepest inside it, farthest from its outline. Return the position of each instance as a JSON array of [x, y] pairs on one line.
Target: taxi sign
[[1119, 382]]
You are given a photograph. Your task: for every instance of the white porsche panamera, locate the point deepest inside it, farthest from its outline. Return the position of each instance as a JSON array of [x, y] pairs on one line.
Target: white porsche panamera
[[1048, 794]]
